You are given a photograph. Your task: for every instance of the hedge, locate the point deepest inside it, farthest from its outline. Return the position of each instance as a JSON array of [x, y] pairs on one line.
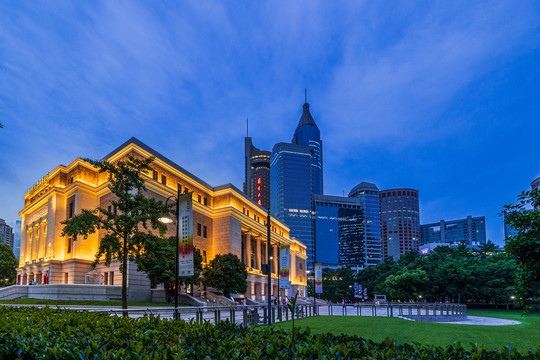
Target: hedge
[[32, 333]]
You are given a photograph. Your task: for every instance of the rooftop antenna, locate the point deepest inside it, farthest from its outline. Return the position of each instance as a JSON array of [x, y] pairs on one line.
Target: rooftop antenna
[[247, 127], [305, 95]]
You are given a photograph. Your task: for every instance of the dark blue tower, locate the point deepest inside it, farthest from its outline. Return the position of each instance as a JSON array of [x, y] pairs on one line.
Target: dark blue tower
[[295, 176]]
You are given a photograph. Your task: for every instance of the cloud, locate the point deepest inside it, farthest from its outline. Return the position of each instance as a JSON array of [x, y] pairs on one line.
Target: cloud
[[397, 89]]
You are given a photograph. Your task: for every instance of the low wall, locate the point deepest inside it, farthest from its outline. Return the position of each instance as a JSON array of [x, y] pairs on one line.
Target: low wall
[[62, 292]]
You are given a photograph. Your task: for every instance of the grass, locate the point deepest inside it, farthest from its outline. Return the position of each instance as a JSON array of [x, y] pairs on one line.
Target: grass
[[522, 337], [85, 302]]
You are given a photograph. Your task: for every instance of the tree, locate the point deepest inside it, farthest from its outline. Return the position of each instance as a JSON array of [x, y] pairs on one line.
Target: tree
[[131, 226], [158, 262], [8, 263], [406, 285], [525, 246], [226, 273], [487, 248]]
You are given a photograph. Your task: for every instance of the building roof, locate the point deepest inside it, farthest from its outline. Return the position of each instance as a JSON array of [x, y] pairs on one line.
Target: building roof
[[306, 118], [364, 186]]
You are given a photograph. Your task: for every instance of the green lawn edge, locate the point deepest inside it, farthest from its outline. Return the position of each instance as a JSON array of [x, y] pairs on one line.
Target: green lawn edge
[[522, 337]]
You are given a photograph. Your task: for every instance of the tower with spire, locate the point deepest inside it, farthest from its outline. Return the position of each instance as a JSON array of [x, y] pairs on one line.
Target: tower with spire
[[296, 174]]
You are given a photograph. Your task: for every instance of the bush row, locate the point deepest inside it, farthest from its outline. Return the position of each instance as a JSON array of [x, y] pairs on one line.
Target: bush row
[[31, 333]]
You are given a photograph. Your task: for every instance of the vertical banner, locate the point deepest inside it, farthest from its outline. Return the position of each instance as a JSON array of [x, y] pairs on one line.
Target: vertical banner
[[318, 278], [284, 264], [357, 290], [365, 293], [185, 234]]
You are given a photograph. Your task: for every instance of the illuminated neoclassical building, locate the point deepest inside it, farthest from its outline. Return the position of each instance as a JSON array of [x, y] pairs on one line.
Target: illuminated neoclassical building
[[225, 220]]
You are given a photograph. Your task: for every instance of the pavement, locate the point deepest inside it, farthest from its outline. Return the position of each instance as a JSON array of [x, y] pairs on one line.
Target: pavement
[[187, 313], [486, 321]]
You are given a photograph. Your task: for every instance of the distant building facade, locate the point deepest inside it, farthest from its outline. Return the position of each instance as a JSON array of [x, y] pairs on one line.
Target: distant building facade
[[508, 229], [296, 174], [6, 234], [17, 242], [224, 221], [470, 231], [535, 184], [400, 221], [257, 174], [370, 229]]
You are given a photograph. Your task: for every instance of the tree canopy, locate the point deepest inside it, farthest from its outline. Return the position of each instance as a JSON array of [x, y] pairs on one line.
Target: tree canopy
[[446, 274], [159, 264], [130, 222], [524, 247], [226, 273], [8, 264]]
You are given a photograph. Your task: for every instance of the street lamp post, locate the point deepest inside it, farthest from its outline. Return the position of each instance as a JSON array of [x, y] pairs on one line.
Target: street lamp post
[[167, 220]]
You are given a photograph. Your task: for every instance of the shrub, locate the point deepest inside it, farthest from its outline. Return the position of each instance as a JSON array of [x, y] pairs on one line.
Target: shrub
[[31, 333]]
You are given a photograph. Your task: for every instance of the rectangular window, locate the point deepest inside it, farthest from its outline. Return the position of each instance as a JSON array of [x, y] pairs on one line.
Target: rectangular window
[[115, 210], [69, 245], [154, 175], [109, 208], [106, 279], [205, 232], [163, 179], [111, 277], [70, 212], [206, 201], [66, 278], [179, 188], [186, 190], [199, 198], [204, 256], [199, 229]]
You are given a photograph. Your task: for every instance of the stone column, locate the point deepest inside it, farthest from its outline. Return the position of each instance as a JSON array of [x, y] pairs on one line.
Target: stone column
[[248, 250], [258, 254], [28, 245], [35, 243]]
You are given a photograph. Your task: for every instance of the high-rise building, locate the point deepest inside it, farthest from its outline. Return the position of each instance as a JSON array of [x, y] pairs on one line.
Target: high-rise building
[[17, 242], [347, 229], [535, 184], [295, 175], [509, 230], [400, 221], [370, 231], [470, 231], [257, 174], [6, 234]]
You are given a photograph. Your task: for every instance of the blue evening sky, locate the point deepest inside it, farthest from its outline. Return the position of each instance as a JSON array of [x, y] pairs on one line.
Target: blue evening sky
[[440, 96]]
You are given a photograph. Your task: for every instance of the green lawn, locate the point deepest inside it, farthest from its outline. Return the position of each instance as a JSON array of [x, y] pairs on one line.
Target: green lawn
[[89, 302], [522, 337]]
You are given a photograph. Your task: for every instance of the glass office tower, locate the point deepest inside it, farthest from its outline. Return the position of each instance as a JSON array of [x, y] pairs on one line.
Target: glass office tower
[[295, 175], [370, 231]]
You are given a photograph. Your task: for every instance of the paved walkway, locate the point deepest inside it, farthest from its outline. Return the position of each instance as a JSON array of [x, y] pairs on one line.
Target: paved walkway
[[487, 321], [187, 313]]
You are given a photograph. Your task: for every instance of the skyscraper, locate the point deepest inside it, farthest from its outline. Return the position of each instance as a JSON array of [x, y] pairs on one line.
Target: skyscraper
[[296, 173], [370, 230], [535, 184], [338, 231], [6, 234], [257, 174], [400, 221]]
